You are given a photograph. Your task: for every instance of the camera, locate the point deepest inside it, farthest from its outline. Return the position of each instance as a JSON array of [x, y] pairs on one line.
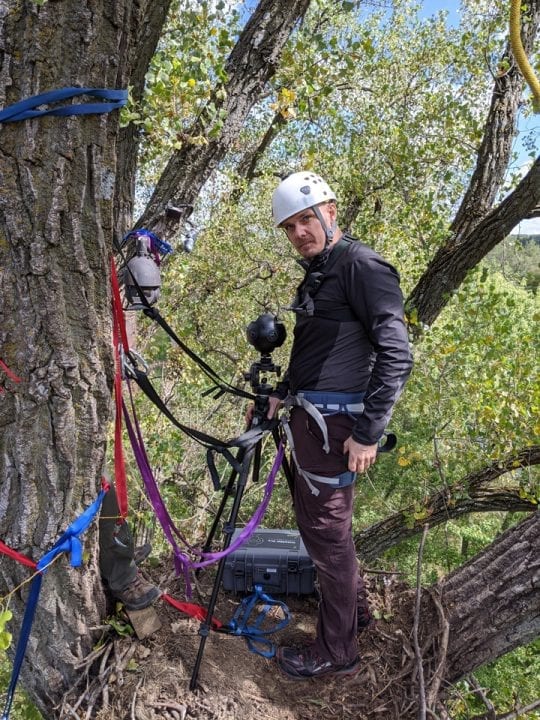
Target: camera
[[266, 333]]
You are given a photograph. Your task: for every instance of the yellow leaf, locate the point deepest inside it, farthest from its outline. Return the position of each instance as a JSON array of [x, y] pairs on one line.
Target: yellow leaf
[[403, 461]]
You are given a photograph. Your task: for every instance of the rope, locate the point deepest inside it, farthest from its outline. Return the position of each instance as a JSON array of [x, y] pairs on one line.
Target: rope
[[252, 630], [68, 542], [520, 55]]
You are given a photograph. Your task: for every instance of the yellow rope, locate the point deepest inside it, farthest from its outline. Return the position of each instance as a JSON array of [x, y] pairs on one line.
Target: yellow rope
[[3, 598], [519, 53]]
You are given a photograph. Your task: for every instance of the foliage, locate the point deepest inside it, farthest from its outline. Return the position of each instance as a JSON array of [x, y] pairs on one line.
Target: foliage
[[518, 258], [511, 681], [23, 708], [394, 126], [183, 82]]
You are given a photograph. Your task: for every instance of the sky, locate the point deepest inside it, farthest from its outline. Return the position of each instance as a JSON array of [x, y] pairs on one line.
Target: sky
[[527, 126]]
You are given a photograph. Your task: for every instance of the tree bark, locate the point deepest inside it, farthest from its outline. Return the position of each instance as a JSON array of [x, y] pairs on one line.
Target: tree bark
[[476, 228], [492, 602], [481, 611], [451, 263], [145, 32], [56, 226], [251, 64]]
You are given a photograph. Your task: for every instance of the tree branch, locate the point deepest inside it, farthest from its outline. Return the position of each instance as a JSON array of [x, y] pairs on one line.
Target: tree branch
[[518, 712], [416, 624], [252, 63], [452, 262], [441, 506], [471, 231]]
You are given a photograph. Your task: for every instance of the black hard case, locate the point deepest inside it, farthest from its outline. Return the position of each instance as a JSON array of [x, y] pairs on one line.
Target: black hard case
[[275, 559]]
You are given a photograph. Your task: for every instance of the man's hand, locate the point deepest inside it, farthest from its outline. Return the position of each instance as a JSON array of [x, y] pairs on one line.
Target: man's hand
[[361, 457], [274, 404]]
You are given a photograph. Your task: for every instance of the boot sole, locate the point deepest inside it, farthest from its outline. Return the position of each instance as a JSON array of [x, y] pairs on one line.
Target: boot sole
[[346, 671]]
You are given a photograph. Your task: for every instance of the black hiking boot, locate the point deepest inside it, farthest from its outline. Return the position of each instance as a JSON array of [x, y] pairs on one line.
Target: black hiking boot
[[139, 594], [305, 663], [364, 618], [141, 552]]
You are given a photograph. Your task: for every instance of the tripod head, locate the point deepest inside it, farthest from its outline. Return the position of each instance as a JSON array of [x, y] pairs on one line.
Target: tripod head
[[266, 334]]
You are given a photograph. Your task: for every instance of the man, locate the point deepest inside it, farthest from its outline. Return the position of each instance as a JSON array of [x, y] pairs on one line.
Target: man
[[349, 361]]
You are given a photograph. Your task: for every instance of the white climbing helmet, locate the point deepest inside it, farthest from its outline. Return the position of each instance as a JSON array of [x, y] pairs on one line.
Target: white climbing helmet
[[297, 192]]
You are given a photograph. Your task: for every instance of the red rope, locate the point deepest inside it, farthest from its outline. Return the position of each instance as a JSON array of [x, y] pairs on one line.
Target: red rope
[[11, 375], [16, 556]]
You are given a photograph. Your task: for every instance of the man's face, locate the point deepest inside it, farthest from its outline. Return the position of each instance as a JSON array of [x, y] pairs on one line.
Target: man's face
[[305, 231]]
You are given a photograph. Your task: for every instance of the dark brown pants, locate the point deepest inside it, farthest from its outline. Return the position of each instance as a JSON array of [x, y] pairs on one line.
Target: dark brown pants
[[325, 523]]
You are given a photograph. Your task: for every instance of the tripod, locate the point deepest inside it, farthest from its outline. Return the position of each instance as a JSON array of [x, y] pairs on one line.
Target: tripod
[[248, 459]]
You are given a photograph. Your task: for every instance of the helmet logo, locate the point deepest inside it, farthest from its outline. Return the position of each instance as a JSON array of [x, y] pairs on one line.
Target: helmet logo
[[306, 189]]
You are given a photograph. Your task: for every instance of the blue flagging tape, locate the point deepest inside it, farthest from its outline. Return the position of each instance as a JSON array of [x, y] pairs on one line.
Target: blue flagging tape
[[68, 542], [26, 109]]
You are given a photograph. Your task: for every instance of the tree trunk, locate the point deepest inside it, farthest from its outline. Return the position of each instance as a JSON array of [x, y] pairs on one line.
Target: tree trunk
[[492, 602], [67, 191], [475, 230], [56, 225], [481, 611], [251, 64]]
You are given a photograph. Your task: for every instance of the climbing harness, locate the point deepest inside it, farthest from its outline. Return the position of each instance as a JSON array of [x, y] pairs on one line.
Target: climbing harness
[[318, 405]]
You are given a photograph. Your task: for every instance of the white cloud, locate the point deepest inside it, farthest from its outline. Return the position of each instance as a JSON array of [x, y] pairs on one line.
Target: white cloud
[[527, 227]]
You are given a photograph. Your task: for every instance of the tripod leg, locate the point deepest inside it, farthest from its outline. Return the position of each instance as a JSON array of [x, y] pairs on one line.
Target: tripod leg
[[226, 494], [205, 626]]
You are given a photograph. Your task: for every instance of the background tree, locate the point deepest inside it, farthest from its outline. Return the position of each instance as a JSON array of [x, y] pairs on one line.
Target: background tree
[[345, 86]]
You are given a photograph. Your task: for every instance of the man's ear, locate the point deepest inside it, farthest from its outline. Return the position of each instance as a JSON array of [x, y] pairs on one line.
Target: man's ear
[[332, 209]]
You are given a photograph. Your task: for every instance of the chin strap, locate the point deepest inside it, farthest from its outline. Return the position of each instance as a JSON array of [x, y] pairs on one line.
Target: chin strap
[[328, 231]]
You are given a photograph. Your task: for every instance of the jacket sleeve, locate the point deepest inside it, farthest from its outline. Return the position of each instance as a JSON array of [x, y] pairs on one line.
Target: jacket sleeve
[[375, 296]]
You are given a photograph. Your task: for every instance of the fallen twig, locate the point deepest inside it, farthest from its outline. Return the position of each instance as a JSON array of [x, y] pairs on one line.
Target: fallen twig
[[416, 624], [437, 677]]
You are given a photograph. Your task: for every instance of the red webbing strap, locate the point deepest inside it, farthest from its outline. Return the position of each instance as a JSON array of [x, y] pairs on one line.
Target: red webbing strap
[[194, 611], [118, 312], [11, 375], [16, 556], [119, 334]]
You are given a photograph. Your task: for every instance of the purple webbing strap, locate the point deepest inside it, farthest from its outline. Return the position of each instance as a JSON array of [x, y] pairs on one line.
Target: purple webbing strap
[[183, 564], [181, 561], [252, 525]]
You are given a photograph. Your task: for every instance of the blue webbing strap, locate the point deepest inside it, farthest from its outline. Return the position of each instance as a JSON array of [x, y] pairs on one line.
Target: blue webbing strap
[[253, 633], [68, 542], [25, 109], [26, 627]]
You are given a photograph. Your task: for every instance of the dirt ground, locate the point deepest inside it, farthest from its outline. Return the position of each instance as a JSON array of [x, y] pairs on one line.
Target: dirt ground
[[150, 678]]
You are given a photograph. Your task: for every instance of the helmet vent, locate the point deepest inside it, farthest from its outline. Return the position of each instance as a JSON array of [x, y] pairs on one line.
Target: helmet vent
[[306, 189]]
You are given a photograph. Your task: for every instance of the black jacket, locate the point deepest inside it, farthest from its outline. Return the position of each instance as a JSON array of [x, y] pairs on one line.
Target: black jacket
[[355, 340]]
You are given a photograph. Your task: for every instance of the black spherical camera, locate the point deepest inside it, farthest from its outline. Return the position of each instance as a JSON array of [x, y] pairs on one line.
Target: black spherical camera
[[266, 333]]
